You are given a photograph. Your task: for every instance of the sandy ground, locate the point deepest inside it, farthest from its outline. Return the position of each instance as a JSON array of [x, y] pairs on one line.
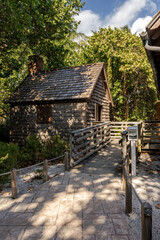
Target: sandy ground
[[147, 185]]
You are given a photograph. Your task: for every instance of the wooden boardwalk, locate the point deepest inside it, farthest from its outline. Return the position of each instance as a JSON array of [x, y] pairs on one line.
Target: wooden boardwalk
[[83, 204]]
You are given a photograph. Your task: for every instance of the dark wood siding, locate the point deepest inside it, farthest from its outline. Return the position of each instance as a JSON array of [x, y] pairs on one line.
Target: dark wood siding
[[100, 97]]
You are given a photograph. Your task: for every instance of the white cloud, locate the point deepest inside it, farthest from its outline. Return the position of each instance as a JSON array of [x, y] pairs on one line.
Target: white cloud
[[89, 22], [139, 25], [124, 15], [153, 6]]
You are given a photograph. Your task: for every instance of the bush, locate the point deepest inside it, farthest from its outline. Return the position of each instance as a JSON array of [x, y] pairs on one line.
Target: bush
[[54, 147], [31, 153], [9, 153], [35, 151], [8, 159], [11, 156]]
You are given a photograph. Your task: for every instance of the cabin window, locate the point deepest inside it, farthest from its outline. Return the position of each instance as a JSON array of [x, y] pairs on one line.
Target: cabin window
[[98, 112], [44, 113]]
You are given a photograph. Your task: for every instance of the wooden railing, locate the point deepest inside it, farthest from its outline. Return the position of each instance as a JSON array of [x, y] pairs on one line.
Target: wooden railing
[[118, 127], [87, 141], [150, 133], [146, 208]]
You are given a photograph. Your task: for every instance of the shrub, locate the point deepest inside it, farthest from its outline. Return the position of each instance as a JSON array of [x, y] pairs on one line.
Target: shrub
[[54, 147], [11, 156], [31, 153], [8, 156], [8, 159]]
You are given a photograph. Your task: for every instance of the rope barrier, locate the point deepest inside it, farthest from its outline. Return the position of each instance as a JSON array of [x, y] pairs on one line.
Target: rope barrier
[[136, 194], [35, 165], [3, 174], [127, 175]]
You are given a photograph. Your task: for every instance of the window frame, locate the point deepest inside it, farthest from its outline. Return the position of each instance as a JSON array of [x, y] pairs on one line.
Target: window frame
[[44, 113]]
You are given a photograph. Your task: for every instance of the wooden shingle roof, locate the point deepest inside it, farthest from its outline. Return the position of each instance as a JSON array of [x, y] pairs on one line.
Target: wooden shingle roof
[[61, 84]]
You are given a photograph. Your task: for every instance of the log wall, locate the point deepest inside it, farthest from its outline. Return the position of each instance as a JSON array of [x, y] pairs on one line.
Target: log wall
[[99, 96], [65, 117]]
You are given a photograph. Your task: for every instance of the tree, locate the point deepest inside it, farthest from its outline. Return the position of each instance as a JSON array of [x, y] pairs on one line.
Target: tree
[[128, 70], [33, 27]]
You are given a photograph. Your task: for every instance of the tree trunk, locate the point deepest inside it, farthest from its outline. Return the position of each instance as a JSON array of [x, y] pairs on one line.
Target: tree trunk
[[126, 103]]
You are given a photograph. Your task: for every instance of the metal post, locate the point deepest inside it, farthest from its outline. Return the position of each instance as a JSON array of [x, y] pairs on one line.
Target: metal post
[[146, 211], [133, 157], [66, 166], [45, 171], [14, 183]]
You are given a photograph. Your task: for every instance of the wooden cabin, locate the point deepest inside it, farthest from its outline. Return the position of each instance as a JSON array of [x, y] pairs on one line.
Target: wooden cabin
[[55, 102]]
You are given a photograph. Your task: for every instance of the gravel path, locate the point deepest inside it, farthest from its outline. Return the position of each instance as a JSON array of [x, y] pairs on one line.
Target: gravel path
[[147, 185]]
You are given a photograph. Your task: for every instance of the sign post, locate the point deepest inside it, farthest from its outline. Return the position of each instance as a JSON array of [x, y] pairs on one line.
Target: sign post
[[133, 137]]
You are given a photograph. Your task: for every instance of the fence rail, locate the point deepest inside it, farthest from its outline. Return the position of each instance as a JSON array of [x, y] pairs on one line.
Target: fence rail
[[87, 141], [150, 134], [146, 208]]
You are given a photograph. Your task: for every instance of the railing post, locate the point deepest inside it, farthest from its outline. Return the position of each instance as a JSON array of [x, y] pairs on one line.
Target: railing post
[[14, 183], [140, 137], [45, 171], [103, 137], [66, 165], [146, 212], [128, 195], [71, 162], [124, 154]]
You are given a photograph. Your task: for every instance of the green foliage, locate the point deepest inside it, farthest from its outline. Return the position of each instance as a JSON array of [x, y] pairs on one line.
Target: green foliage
[[31, 152], [54, 147], [8, 156], [129, 72], [11, 156], [36, 151], [33, 27]]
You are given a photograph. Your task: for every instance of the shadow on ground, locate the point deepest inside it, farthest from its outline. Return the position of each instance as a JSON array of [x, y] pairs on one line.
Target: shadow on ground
[[83, 204]]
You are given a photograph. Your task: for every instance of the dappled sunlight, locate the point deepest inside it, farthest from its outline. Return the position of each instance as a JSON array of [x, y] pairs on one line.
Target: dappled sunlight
[[76, 205]]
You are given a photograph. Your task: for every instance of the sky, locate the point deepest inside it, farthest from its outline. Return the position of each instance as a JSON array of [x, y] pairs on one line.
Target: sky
[[116, 13]]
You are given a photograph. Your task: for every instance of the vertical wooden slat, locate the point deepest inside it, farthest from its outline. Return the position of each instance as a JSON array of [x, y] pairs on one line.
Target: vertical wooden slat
[[103, 141], [14, 183], [71, 161], [140, 137], [66, 164], [45, 171], [146, 212]]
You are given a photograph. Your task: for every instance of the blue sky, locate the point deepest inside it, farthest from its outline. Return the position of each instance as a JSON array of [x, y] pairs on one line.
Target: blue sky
[[117, 13]]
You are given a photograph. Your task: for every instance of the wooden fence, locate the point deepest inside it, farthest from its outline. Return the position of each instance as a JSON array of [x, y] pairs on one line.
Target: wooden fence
[[146, 208], [118, 127], [151, 135], [87, 141]]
